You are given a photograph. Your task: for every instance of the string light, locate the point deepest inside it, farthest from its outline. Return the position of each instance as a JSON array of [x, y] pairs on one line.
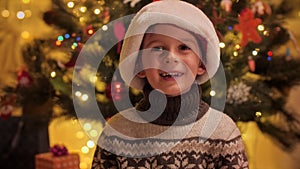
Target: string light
[[28, 13], [222, 45], [237, 47], [235, 53], [261, 27], [60, 38], [93, 133], [53, 74], [97, 11], [5, 13], [90, 144], [67, 36], [84, 97], [20, 15], [78, 93], [58, 43], [25, 35], [212, 93], [82, 9], [258, 114], [87, 126], [254, 53], [85, 150], [105, 27], [70, 4]]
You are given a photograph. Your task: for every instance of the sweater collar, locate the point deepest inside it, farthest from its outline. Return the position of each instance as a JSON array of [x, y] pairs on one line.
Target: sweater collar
[[160, 109]]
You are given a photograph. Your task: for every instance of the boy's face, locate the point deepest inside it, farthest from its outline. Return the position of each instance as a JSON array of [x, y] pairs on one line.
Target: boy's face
[[170, 59]]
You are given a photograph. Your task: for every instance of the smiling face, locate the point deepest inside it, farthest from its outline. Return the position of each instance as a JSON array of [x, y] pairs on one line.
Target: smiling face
[[170, 59]]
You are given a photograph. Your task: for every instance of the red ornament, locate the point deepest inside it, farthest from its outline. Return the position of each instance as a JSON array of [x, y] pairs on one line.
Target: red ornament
[[247, 25], [6, 111], [24, 79], [251, 64]]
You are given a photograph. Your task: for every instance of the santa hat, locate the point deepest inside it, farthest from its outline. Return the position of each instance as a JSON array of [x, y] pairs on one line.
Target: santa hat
[[175, 12]]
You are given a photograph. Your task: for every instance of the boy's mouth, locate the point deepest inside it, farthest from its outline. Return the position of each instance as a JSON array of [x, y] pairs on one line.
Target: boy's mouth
[[170, 74]]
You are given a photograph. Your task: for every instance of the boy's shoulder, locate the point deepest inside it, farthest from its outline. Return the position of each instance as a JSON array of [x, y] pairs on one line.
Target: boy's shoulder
[[217, 125]]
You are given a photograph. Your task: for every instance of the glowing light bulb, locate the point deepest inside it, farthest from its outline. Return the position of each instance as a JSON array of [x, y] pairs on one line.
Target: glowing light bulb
[[261, 27], [104, 27], [258, 114], [93, 133], [5, 13], [82, 9], [84, 97], [90, 144], [70, 4], [97, 11], [222, 45], [235, 53], [53, 74], [78, 93], [85, 150], [87, 126], [28, 13], [254, 53], [237, 47], [25, 35], [212, 93], [20, 15]]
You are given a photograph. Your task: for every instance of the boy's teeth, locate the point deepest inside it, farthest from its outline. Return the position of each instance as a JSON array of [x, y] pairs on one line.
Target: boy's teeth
[[170, 74]]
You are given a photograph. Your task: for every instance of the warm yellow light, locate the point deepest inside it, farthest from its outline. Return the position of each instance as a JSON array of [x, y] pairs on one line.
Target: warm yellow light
[[235, 53], [78, 93], [258, 114], [93, 79], [237, 47], [87, 126], [83, 165], [266, 33], [222, 45], [261, 27], [53, 74], [93, 133], [81, 19], [25, 35], [90, 144], [97, 11], [5, 13], [70, 4], [28, 13], [82, 9], [84, 97], [212, 93], [26, 1], [85, 150], [79, 135]]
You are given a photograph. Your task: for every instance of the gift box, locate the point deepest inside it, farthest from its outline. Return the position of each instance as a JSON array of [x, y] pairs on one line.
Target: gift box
[[50, 161]]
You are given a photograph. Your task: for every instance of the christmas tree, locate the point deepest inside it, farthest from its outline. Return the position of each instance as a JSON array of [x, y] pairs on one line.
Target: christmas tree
[[258, 76]]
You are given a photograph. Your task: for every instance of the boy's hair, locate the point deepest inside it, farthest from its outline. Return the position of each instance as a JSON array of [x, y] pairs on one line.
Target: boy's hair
[[181, 14]]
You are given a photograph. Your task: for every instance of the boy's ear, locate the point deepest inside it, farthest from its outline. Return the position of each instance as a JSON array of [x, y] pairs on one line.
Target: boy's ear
[[201, 70], [141, 74]]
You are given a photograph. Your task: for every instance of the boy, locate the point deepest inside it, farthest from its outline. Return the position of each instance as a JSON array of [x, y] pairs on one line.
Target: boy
[[168, 56]]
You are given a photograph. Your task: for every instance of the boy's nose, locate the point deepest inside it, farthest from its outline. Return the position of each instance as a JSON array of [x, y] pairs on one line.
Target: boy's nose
[[170, 59]]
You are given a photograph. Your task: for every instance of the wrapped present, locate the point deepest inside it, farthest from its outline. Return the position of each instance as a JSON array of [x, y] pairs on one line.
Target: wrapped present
[[58, 158]]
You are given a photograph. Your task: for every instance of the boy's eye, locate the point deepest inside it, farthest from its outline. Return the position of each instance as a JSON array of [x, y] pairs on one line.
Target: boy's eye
[[157, 49], [184, 47]]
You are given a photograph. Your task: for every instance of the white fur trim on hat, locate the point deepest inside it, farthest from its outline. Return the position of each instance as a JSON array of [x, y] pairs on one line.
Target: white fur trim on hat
[[179, 13]]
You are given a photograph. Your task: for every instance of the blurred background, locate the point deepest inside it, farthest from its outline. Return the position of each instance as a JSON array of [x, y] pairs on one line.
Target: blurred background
[[41, 42]]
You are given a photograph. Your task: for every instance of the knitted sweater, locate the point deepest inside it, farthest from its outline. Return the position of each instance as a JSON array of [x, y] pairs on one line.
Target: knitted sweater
[[205, 138]]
